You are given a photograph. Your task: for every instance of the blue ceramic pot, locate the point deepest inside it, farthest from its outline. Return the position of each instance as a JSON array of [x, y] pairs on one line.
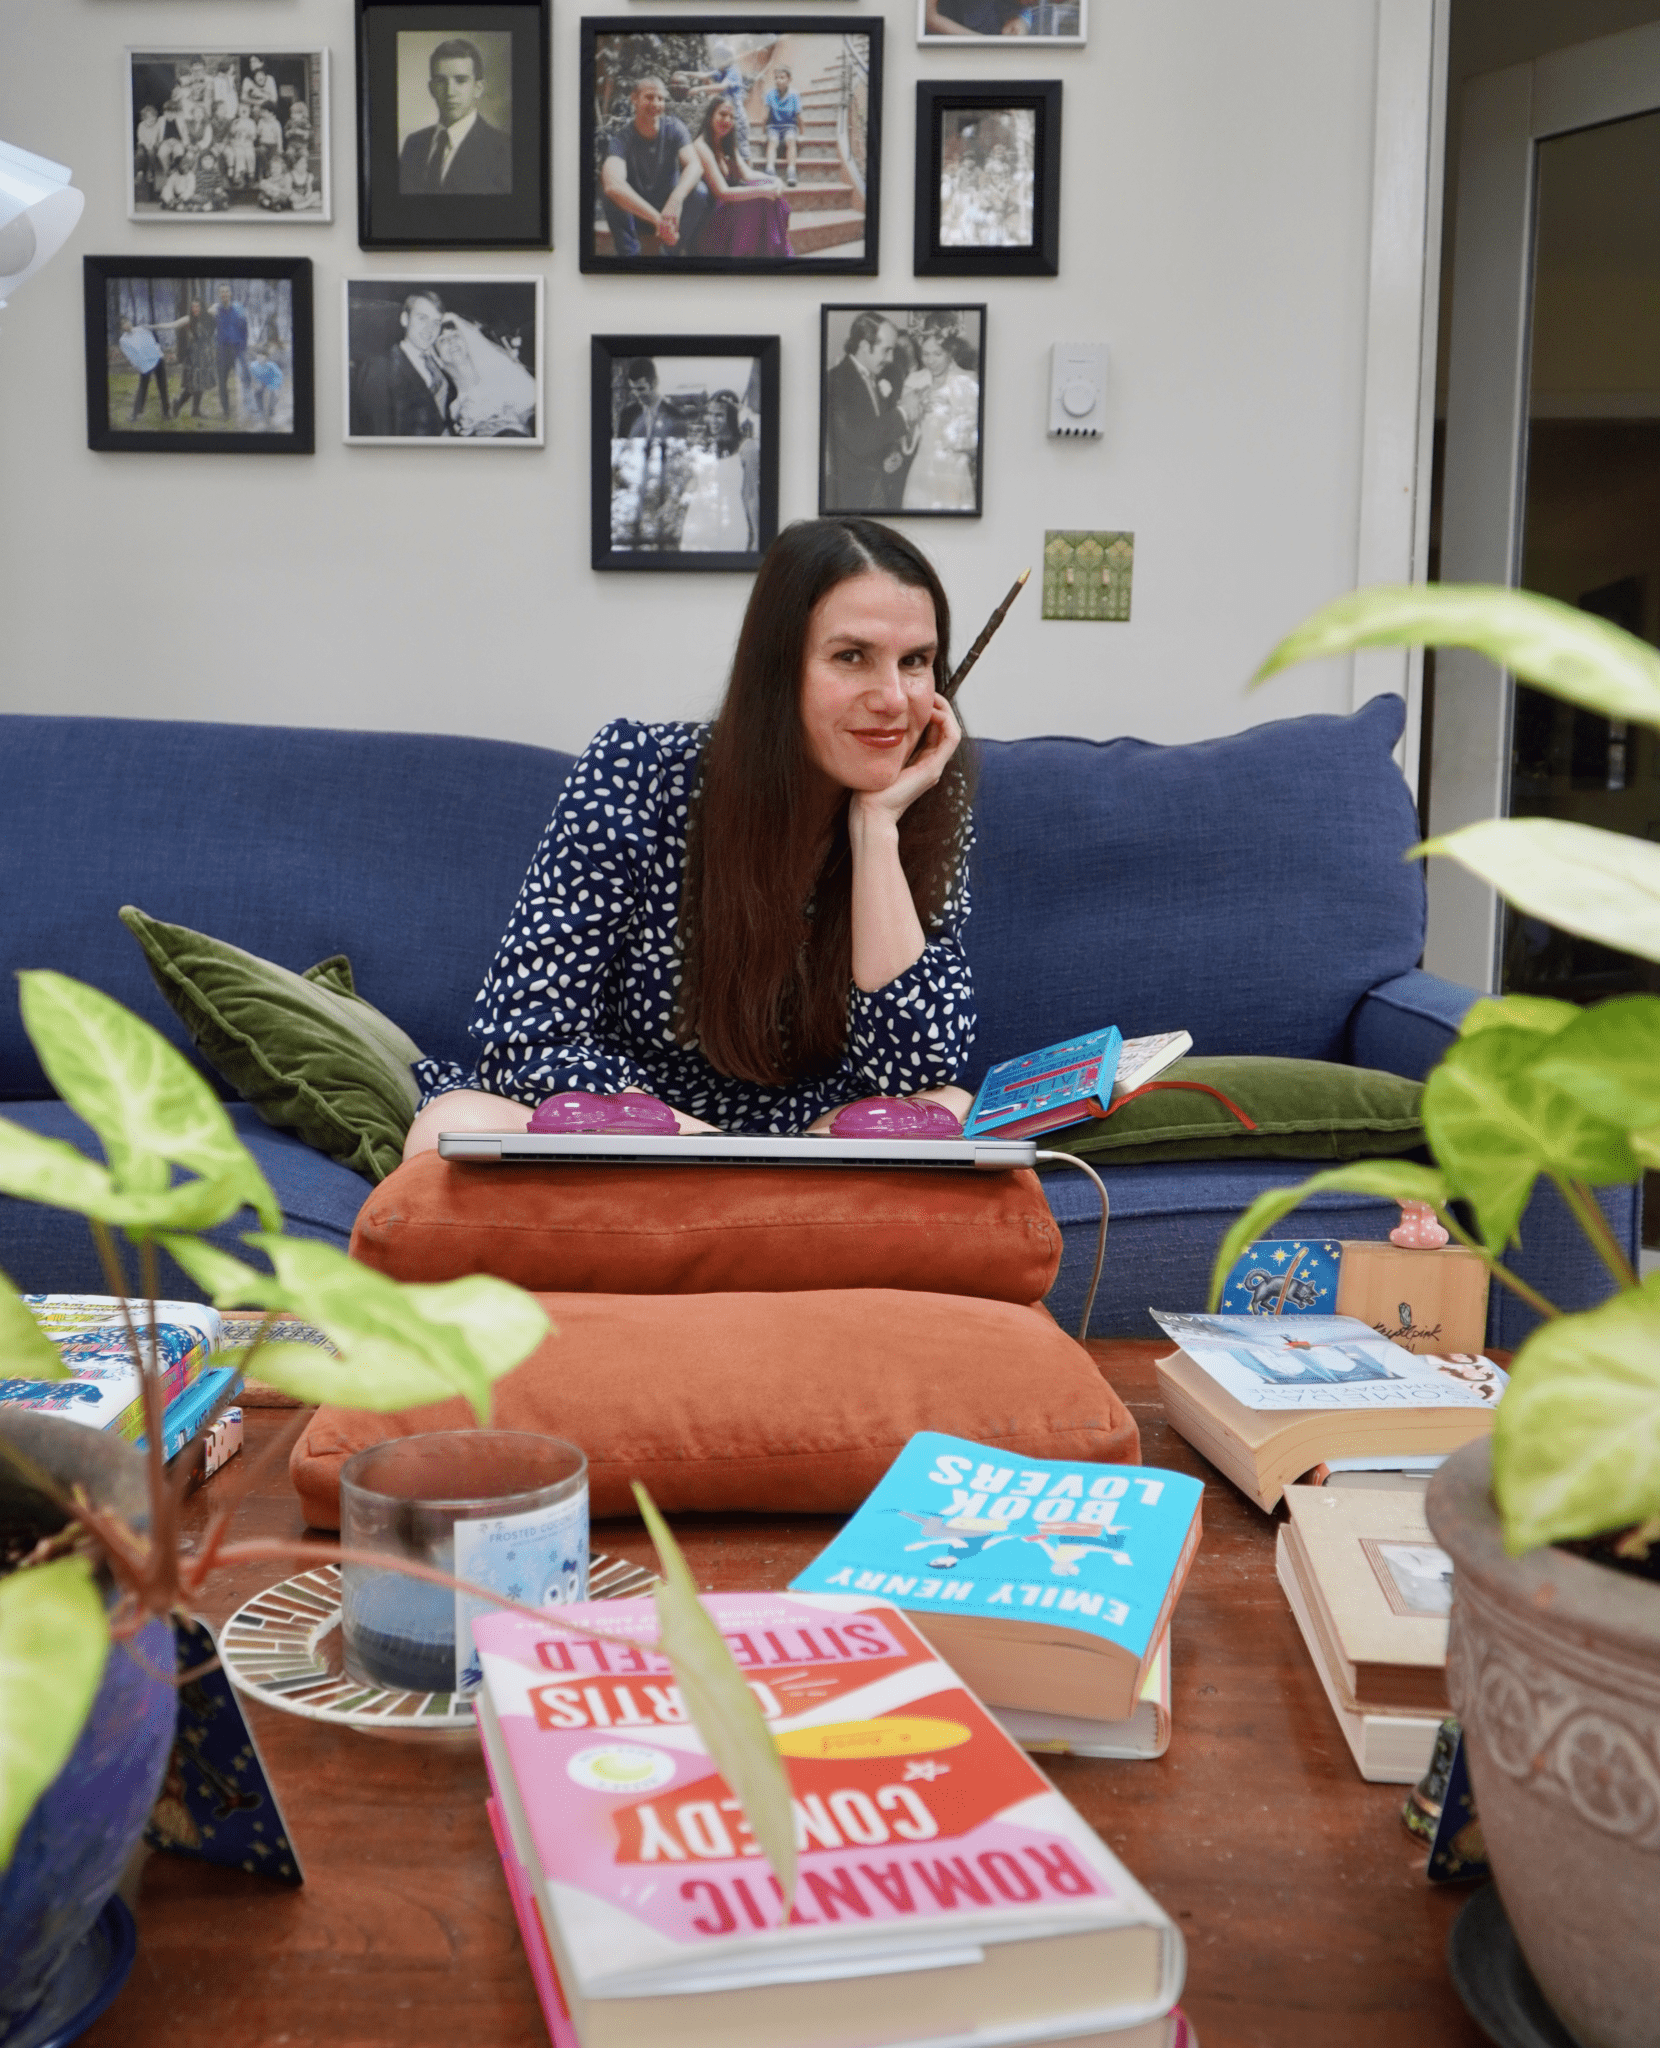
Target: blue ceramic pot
[[86, 1824]]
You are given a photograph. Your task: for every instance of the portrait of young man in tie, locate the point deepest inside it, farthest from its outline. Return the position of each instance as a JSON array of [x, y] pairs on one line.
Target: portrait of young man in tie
[[461, 152]]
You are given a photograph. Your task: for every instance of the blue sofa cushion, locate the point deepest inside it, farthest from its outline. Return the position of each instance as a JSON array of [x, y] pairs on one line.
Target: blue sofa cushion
[[403, 850], [1248, 889], [51, 1251]]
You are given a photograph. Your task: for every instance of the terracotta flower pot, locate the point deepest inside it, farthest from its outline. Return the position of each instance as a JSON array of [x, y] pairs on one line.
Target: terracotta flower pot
[[1553, 1666], [87, 1822]]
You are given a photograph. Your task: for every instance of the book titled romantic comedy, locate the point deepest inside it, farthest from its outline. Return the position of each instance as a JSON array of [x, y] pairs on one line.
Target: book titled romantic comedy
[[1069, 1083], [946, 1891], [1048, 1585], [95, 1341]]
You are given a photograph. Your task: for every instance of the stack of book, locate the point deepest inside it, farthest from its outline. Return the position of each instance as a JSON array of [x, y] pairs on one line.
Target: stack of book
[[1371, 1592], [947, 1893], [1266, 1399], [1048, 1586], [104, 1389]]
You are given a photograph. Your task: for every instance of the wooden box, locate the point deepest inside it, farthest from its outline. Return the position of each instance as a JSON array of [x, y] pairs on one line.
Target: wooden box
[[1433, 1301]]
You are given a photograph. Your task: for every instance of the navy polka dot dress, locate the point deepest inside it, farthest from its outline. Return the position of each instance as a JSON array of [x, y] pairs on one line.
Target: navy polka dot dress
[[583, 988]]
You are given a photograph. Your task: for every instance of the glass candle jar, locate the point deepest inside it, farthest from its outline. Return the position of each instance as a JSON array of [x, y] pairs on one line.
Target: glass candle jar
[[502, 1509]]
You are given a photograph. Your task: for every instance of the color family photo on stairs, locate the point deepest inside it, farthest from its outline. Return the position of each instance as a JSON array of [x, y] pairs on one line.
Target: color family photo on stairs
[[731, 145]]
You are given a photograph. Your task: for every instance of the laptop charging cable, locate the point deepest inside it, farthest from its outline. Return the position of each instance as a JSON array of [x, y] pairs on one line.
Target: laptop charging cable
[[1083, 1166]]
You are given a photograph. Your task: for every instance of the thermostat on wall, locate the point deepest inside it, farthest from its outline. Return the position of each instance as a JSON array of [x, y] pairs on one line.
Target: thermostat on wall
[[1077, 389]]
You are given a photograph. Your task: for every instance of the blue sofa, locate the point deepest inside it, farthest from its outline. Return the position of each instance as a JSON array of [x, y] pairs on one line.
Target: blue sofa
[[1249, 889]]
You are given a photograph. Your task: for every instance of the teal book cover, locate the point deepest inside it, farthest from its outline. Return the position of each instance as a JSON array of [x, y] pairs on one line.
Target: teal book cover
[[954, 1527]]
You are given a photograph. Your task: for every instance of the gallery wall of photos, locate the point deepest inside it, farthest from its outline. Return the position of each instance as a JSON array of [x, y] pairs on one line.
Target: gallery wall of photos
[[705, 144]]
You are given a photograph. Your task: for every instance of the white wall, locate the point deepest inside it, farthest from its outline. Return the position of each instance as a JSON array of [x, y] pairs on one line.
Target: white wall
[[1215, 216]]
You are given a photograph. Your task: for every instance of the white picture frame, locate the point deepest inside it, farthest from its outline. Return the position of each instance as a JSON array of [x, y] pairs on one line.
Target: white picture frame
[[1050, 24], [240, 184], [476, 392]]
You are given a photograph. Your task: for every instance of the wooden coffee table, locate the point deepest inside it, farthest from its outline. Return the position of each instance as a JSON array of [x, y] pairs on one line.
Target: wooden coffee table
[[1302, 1899]]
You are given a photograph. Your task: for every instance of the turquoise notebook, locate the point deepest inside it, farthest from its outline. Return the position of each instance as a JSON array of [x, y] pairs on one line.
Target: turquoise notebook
[[956, 1528]]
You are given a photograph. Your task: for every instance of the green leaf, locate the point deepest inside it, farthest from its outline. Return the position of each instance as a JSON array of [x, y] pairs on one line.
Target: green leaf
[[49, 1171], [1576, 1441], [1495, 1126], [26, 1352], [1646, 1146], [1520, 1013], [149, 1106], [1571, 653], [53, 1642], [722, 1707], [400, 1347], [1401, 1180], [1608, 1060], [1602, 885]]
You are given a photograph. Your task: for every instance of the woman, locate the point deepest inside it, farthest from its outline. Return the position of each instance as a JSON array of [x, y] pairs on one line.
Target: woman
[[947, 434], [758, 920], [750, 216], [716, 521], [495, 395]]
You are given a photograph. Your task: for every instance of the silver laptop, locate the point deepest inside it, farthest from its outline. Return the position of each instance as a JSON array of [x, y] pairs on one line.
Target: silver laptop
[[722, 1148]]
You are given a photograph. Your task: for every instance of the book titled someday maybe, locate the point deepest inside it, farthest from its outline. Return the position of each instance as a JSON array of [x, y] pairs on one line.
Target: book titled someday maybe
[[1047, 1585], [947, 1893], [104, 1389]]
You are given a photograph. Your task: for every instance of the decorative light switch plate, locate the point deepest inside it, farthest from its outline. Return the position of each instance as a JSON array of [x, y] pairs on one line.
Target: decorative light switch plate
[[1087, 575]]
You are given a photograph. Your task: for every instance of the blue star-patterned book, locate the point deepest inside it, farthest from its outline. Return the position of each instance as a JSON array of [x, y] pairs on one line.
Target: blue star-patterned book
[[1011, 1566], [1284, 1276], [216, 1801]]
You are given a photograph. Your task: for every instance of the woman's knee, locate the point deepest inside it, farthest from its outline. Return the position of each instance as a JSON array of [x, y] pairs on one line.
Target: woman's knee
[[463, 1109]]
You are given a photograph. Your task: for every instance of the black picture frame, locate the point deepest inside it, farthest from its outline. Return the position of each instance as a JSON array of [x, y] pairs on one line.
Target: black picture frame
[[936, 101], [830, 167], [863, 470], [693, 434], [110, 281], [509, 141]]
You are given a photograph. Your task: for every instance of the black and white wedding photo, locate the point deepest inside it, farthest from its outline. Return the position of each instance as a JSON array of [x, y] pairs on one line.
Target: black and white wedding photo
[[444, 359], [228, 133], [901, 410], [685, 452]]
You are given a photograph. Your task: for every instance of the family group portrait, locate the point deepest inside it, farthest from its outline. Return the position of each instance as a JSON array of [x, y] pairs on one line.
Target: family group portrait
[[689, 466], [988, 174], [454, 359], [746, 147], [224, 132], [901, 410], [199, 355]]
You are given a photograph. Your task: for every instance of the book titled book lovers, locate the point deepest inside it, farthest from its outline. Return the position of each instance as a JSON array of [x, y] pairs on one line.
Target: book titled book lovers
[[1047, 1584], [947, 1893]]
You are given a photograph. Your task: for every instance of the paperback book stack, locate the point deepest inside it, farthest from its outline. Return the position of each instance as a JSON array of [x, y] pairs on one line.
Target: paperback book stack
[[947, 1893], [1048, 1586], [104, 1389]]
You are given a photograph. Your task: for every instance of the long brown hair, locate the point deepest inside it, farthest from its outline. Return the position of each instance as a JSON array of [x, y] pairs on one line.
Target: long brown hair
[[766, 931]]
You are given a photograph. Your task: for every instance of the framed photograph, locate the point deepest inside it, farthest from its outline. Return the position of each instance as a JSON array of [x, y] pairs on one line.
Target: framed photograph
[[453, 135], [989, 21], [685, 450], [902, 408], [731, 143], [988, 180], [227, 132], [451, 360], [192, 358]]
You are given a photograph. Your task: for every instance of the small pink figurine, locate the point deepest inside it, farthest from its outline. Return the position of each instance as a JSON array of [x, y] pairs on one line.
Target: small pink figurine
[[893, 1116], [1418, 1230], [628, 1116]]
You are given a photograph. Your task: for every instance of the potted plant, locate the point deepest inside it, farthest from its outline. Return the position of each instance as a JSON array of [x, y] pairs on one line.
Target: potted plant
[[1554, 1652], [91, 1565]]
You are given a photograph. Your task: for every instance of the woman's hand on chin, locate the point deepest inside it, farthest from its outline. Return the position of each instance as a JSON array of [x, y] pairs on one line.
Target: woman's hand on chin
[[940, 740]]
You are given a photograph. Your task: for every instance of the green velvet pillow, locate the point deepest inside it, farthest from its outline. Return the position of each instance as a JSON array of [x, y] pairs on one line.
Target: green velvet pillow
[[305, 1049], [1301, 1109]]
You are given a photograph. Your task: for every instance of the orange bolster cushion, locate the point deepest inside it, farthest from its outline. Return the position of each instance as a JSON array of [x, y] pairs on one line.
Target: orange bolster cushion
[[712, 1230], [779, 1403]]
